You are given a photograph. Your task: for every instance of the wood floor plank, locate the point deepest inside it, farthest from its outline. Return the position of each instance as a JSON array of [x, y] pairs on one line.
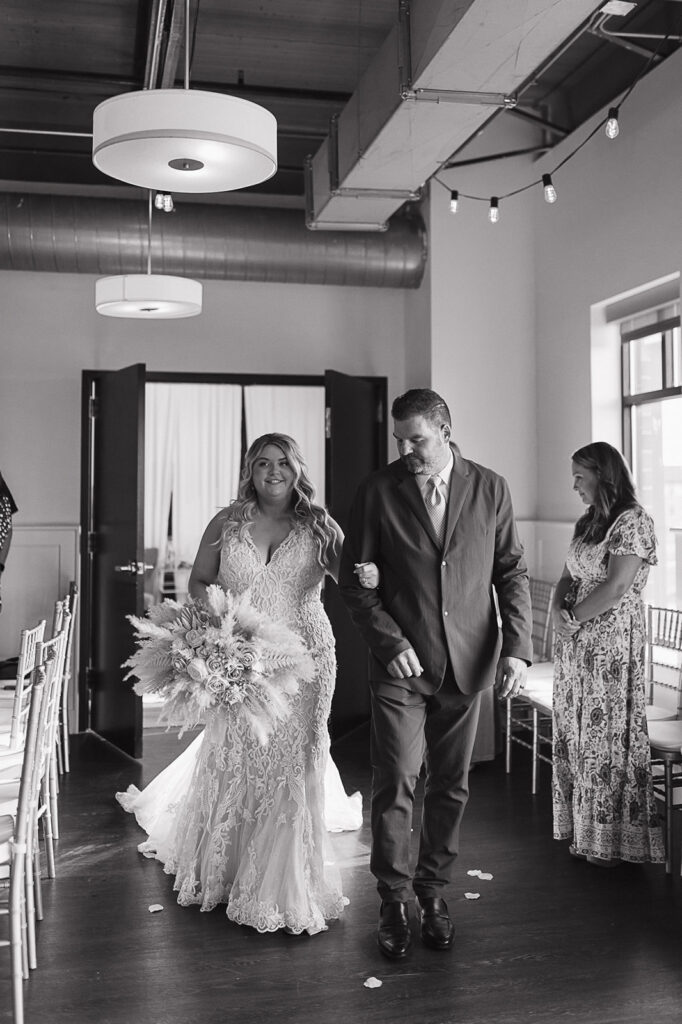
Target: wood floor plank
[[550, 939]]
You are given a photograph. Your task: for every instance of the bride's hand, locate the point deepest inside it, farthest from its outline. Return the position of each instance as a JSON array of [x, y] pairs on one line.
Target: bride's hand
[[367, 574]]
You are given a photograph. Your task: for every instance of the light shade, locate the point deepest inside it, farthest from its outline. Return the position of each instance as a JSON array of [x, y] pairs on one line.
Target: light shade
[[148, 296], [184, 140]]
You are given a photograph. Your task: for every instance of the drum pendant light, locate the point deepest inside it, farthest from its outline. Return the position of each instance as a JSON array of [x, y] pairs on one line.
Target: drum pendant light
[[148, 296], [183, 140]]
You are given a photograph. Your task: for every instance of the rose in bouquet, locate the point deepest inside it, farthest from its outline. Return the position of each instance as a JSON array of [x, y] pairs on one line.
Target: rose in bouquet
[[221, 652]]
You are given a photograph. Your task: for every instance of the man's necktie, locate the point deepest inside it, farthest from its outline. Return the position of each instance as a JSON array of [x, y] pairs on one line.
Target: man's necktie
[[435, 504]]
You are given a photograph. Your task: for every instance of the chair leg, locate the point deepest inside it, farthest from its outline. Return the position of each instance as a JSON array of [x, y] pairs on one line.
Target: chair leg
[[30, 915], [17, 937], [668, 775], [53, 784], [509, 740], [536, 749], [65, 739], [47, 828], [37, 878], [60, 756]]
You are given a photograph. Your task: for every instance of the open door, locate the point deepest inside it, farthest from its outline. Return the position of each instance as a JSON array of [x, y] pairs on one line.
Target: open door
[[113, 557], [356, 446]]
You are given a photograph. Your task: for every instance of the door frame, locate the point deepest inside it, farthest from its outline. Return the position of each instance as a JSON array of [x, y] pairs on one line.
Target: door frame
[[90, 378]]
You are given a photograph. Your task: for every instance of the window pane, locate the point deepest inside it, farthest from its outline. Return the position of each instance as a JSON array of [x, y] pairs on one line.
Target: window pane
[[676, 355], [657, 467], [645, 357]]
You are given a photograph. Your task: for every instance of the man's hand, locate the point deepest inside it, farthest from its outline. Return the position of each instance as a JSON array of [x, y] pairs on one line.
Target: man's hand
[[404, 665], [510, 677]]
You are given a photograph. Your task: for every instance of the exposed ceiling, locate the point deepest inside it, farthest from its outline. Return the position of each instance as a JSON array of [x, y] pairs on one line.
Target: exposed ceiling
[[302, 59]]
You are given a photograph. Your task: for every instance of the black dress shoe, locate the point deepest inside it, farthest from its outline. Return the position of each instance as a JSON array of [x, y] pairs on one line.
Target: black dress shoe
[[394, 930], [437, 930]]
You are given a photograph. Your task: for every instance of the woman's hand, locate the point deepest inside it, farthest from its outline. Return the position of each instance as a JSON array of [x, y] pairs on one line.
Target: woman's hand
[[367, 574], [564, 623]]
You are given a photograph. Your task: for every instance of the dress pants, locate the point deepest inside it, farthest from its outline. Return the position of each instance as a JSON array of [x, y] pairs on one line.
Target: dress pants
[[410, 729]]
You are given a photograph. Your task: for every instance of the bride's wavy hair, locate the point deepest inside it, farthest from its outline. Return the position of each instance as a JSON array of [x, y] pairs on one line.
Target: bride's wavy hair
[[242, 511], [615, 490]]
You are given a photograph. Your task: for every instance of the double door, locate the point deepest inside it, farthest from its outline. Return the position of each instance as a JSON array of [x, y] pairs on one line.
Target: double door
[[112, 517]]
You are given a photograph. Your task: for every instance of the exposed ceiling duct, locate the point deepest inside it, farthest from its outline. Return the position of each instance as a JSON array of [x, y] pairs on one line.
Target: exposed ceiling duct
[[77, 235], [440, 75]]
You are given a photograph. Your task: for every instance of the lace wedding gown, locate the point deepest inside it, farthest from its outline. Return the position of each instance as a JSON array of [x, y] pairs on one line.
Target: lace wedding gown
[[243, 824]]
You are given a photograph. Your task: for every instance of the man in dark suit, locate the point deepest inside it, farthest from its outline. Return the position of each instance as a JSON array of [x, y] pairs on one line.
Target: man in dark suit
[[441, 531]]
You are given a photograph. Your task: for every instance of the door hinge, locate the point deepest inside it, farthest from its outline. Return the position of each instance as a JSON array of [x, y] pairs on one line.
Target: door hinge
[[93, 408], [328, 422], [90, 677], [92, 543]]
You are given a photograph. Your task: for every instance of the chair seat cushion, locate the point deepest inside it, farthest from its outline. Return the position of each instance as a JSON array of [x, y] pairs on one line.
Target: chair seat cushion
[[655, 713], [539, 672], [666, 737], [6, 828]]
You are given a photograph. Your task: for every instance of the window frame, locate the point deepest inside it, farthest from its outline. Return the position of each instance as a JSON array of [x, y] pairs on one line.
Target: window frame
[[629, 401]]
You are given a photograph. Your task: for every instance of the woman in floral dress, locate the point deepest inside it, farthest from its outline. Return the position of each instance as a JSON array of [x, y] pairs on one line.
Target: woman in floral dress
[[602, 784]]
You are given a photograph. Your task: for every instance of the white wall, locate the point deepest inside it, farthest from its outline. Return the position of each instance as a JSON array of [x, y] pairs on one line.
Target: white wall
[[617, 225], [50, 332], [482, 310]]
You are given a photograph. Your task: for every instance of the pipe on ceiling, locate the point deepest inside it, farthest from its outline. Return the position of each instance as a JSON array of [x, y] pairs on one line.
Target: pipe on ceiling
[[82, 235]]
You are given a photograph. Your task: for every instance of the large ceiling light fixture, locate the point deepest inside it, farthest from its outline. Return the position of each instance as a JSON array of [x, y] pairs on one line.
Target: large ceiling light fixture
[[148, 296], [184, 140]]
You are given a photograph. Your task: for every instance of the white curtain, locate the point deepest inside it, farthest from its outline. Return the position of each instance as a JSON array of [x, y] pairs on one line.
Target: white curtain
[[192, 453], [208, 419], [297, 411], [158, 477]]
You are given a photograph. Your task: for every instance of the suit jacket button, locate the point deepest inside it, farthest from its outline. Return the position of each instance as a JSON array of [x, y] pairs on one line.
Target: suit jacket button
[[445, 613], [443, 564]]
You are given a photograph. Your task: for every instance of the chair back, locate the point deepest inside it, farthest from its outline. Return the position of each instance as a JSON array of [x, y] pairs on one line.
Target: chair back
[[28, 658], [664, 656], [72, 607], [51, 654], [541, 596], [58, 615]]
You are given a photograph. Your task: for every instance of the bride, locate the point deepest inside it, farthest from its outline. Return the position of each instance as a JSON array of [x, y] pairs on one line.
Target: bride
[[237, 822]]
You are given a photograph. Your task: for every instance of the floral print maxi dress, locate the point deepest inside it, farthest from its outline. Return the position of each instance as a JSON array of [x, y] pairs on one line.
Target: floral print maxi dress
[[602, 785]]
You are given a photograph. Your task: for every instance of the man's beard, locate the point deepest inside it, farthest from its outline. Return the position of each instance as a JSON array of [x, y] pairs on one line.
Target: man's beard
[[413, 464]]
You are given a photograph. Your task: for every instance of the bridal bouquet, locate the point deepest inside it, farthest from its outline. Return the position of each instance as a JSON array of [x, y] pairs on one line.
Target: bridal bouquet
[[221, 652]]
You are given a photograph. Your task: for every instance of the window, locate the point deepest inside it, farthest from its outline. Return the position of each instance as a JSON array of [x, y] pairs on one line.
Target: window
[[652, 435]]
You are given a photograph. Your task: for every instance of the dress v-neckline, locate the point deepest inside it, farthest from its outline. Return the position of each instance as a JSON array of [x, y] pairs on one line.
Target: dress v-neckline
[[259, 554]]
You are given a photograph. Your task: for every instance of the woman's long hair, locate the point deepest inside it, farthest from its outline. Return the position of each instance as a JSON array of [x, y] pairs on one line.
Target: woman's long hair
[[243, 509], [615, 490]]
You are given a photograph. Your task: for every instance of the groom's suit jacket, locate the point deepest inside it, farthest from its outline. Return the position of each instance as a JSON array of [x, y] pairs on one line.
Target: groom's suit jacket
[[438, 598]]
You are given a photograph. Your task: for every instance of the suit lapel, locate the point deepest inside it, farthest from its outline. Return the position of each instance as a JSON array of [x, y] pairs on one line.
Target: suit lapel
[[408, 489], [459, 488]]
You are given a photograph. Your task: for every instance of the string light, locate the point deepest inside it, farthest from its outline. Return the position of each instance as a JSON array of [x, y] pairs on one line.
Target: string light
[[550, 191], [612, 128], [163, 201], [609, 124]]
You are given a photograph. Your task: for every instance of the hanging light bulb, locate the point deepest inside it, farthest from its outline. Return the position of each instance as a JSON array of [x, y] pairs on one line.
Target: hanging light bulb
[[612, 127], [454, 201], [163, 201], [494, 211], [550, 191]]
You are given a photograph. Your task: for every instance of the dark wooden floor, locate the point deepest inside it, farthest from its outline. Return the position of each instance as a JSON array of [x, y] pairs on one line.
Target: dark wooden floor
[[551, 939]]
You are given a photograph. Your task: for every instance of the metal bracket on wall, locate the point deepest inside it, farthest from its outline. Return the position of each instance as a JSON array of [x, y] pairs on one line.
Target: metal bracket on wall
[[407, 92]]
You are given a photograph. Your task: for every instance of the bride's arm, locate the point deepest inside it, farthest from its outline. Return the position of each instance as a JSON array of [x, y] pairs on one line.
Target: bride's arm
[[207, 560]]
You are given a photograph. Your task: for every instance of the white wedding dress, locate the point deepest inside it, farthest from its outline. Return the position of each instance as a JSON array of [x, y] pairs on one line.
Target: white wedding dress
[[244, 824]]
